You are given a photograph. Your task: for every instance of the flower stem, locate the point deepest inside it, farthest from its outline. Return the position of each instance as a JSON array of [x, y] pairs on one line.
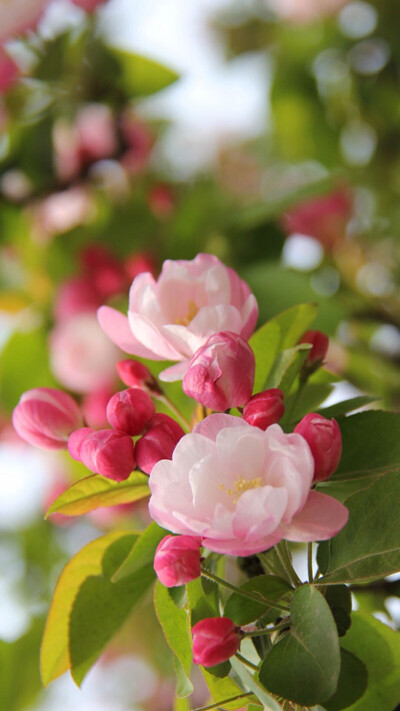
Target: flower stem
[[246, 662], [224, 702], [258, 597], [284, 556], [310, 562], [268, 630], [166, 401]]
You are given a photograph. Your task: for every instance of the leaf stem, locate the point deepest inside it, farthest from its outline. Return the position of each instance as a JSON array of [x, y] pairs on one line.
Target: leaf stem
[[310, 562], [166, 401], [258, 597], [284, 556], [268, 630], [223, 702], [246, 662]]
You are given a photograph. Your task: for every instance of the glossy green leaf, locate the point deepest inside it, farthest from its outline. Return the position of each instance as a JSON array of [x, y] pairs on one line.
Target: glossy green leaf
[[353, 680], [142, 552], [280, 333], [310, 398], [141, 76], [368, 547], [242, 610], [378, 647], [203, 601], [304, 664], [287, 367], [342, 408], [222, 689], [94, 491], [174, 622], [338, 598], [252, 683], [55, 656], [101, 606]]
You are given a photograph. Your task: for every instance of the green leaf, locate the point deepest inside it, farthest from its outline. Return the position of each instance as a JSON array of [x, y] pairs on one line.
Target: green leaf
[[281, 332], [221, 689], [338, 598], [19, 673], [368, 547], [242, 610], [378, 647], [141, 76], [203, 602], [101, 606], [174, 622], [142, 552], [353, 680], [55, 657], [251, 682], [287, 367], [342, 408], [94, 491], [304, 664], [310, 398]]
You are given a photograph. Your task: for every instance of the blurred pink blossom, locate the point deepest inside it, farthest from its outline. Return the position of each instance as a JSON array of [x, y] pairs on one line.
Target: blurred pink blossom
[[88, 5], [325, 218], [81, 356], [169, 319], [242, 489], [75, 296], [95, 130], [17, 16], [303, 11], [94, 406], [139, 141], [62, 211], [9, 71]]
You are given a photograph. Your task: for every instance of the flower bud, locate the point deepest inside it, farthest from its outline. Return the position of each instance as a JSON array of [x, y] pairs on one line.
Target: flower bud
[[215, 639], [325, 441], [137, 375], [45, 417], [75, 442], [108, 453], [220, 374], [94, 406], [158, 443], [130, 411], [316, 355], [264, 409], [177, 560]]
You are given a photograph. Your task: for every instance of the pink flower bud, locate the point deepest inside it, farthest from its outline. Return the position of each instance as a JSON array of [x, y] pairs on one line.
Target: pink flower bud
[[320, 343], [75, 442], [108, 453], [215, 639], [265, 408], [158, 443], [130, 411], [325, 441], [220, 374], [46, 417], [177, 560], [137, 375], [94, 406]]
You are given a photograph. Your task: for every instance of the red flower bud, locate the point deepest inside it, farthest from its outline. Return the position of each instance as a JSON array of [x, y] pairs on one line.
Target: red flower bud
[[221, 373], [325, 441], [320, 343], [137, 375], [75, 442], [46, 417], [158, 443], [264, 409], [177, 560], [108, 453], [130, 411], [215, 639]]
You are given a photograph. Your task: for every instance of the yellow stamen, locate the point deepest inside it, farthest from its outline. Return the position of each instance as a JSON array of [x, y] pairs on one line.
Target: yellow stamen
[[192, 311]]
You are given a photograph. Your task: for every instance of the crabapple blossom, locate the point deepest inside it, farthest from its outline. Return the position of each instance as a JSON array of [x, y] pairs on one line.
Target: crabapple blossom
[[215, 640], [108, 453], [45, 417], [177, 560], [265, 408], [242, 489], [325, 441], [220, 375], [130, 411], [75, 441], [137, 375], [158, 442], [171, 318]]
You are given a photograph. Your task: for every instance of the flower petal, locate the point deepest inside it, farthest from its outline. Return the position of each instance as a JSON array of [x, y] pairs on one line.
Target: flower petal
[[321, 518], [117, 328]]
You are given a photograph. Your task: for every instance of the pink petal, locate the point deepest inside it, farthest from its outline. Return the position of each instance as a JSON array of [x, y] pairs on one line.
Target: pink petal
[[175, 372], [152, 339], [321, 518], [117, 328], [211, 426]]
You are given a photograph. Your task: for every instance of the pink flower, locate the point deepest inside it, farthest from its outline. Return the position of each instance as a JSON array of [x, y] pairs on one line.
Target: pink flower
[[325, 441], [95, 130], [130, 411], [177, 560], [75, 296], [88, 5], [161, 201], [220, 375], [17, 16], [139, 262], [108, 453], [171, 318], [75, 441], [81, 356], [320, 345], [158, 443], [265, 408], [242, 489], [46, 417], [215, 639], [137, 375], [104, 271], [94, 406], [9, 71], [324, 218]]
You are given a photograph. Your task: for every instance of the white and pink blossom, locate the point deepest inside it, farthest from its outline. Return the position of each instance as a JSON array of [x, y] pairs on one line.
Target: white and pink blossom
[[242, 489], [171, 318]]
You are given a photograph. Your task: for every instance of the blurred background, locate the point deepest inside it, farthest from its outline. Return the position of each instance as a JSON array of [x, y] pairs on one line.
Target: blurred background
[[266, 132]]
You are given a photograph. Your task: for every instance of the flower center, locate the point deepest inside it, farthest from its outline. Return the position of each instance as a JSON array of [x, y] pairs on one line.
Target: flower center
[[240, 486], [192, 311]]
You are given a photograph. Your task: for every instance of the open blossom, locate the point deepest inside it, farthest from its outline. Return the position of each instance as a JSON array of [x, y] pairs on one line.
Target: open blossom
[[171, 318], [45, 417], [242, 489]]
